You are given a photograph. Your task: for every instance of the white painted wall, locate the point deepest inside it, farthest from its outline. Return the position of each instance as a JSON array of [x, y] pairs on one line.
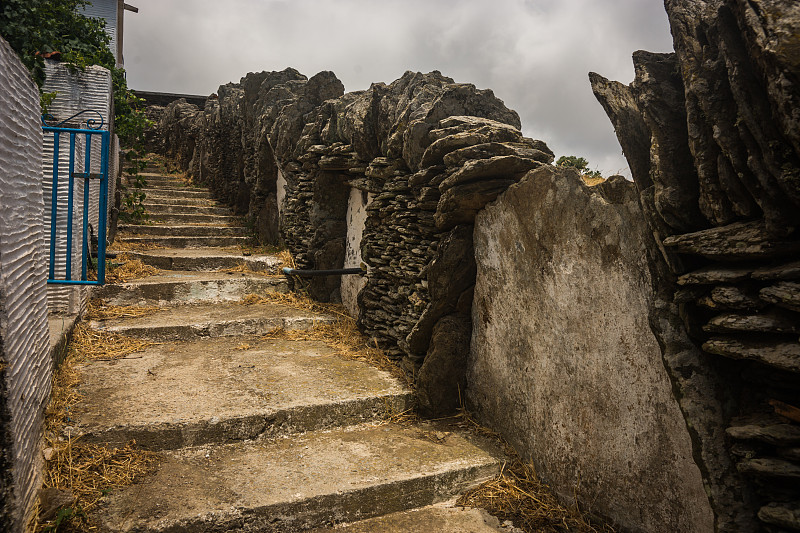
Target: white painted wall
[[24, 335], [356, 218]]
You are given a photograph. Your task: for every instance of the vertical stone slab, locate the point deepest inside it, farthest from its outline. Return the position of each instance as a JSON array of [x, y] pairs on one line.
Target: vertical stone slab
[[564, 363], [25, 365], [356, 219]]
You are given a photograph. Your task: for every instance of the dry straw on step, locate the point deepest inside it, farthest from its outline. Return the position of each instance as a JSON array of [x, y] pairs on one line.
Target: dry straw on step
[[88, 471]]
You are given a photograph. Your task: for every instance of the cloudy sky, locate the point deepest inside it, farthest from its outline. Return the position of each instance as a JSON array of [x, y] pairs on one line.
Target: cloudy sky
[[534, 54]]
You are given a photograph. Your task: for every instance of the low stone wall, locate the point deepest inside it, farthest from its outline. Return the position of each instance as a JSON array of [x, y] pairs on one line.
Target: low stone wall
[[564, 363], [25, 365]]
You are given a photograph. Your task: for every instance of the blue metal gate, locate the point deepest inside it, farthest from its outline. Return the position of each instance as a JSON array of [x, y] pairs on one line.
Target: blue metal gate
[[78, 175]]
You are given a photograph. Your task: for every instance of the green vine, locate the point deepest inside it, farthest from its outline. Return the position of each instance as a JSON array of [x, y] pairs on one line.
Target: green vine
[[56, 28]]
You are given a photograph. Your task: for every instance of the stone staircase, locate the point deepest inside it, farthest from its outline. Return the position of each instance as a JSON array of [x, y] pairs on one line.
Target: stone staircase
[[257, 432]]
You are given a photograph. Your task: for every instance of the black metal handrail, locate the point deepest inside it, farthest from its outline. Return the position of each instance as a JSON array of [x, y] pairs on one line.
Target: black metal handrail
[[313, 273]]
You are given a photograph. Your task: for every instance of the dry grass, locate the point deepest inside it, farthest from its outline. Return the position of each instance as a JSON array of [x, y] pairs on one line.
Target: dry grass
[[297, 301], [128, 246], [88, 471], [342, 334], [344, 338], [129, 270], [244, 268], [98, 310], [517, 494], [591, 181], [89, 344]]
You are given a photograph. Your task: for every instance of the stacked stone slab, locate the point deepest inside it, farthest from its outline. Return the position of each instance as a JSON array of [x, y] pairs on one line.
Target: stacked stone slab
[[286, 151], [712, 136]]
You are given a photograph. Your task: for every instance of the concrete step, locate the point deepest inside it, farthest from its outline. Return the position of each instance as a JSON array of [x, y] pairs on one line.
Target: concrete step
[[191, 219], [188, 242], [181, 287], [221, 390], [441, 518], [184, 230], [204, 259], [173, 209], [178, 200], [310, 480], [188, 322], [153, 178], [169, 192]]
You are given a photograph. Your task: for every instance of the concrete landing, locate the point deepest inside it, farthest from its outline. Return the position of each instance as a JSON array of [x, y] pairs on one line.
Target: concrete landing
[[210, 258], [307, 481], [179, 287], [228, 389], [188, 322]]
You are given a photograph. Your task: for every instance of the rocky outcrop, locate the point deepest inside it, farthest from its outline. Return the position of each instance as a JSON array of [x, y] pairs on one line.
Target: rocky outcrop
[[711, 133], [286, 151]]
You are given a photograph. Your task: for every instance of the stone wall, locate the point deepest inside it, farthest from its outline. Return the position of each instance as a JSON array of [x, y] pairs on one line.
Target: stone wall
[[580, 354], [25, 365], [392, 177], [564, 363], [712, 136]]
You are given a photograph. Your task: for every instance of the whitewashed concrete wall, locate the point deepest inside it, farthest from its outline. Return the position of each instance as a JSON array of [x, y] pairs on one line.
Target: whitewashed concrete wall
[[356, 218], [90, 89], [563, 362], [25, 364]]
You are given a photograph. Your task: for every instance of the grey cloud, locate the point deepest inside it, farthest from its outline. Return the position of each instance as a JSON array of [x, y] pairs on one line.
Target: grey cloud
[[534, 54]]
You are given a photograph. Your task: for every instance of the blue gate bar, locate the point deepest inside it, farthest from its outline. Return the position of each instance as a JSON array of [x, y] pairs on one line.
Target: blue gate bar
[[102, 208], [87, 169], [103, 214], [70, 196], [54, 205]]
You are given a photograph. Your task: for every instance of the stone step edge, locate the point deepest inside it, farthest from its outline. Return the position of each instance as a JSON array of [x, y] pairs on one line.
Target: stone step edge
[[189, 291], [225, 328], [279, 423], [305, 514]]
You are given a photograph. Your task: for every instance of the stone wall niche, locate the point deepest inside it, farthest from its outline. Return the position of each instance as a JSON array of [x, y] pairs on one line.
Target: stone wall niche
[[564, 364]]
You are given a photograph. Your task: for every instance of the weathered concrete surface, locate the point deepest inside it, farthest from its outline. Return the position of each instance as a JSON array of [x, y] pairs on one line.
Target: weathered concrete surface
[[190, 287], [183, 230], [212, 320], [309, 480], [443, 518], [204, 259], [222, 390], [564, 363]]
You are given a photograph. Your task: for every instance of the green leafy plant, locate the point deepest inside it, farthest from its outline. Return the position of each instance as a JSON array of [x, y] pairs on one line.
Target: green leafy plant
[[36, 29], [579, 163]]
